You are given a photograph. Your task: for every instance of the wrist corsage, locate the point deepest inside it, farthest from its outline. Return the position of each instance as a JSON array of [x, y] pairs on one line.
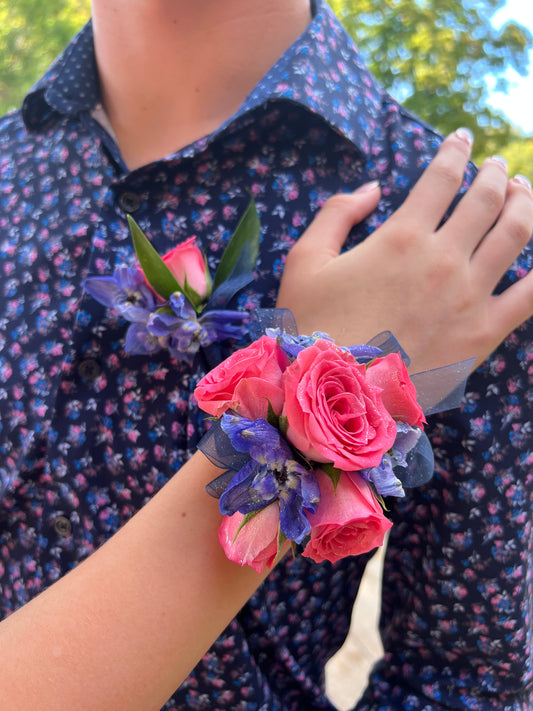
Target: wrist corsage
[[312, 436]]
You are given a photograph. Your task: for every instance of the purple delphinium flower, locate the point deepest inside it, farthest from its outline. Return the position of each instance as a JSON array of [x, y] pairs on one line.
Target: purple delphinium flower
[[406, 439], [384, 479], [412, 456], [184, 332], [271, 474], [408, 463], [293, 345], [139, 341], [363, 353], [126, 291]]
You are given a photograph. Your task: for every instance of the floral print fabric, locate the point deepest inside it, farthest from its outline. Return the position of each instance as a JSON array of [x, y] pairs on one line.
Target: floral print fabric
[[88, 434]]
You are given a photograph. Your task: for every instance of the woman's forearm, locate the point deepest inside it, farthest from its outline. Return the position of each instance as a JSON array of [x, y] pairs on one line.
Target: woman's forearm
[[125, 628]]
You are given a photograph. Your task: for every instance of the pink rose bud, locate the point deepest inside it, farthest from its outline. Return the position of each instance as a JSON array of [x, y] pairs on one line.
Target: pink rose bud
[[186, 262], [256, 543], [399, 393], [348, 521]]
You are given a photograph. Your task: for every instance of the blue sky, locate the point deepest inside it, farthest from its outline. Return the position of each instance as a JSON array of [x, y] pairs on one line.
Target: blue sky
[[517, 104]]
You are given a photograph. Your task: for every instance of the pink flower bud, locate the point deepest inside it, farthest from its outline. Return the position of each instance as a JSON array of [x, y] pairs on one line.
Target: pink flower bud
[[256, 543], [186, 261], [348, 520]]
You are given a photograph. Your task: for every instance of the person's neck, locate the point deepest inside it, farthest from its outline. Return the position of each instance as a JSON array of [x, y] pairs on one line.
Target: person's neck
[[172, 71]]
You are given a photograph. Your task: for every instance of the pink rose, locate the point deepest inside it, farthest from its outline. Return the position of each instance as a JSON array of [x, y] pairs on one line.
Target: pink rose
[[186, 262], [334, 414], [256, 544], [347, 522], [246, 381], [399, 393]]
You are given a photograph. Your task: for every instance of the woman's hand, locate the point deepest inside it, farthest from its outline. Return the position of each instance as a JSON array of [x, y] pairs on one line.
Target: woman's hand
[[432, 287]]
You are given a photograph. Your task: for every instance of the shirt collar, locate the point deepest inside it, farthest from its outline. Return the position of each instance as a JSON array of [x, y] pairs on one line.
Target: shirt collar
[[69, 87], [322, 71]]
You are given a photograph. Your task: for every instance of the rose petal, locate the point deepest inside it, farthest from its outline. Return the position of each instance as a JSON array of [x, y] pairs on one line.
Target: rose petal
[[399, 393]]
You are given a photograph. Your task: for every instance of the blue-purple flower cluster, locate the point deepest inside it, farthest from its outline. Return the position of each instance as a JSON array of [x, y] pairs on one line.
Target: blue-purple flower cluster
[[271, 474], [155, 324]]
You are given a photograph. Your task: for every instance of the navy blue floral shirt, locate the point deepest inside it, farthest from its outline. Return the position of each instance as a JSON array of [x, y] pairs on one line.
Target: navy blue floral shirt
[[88, 434]]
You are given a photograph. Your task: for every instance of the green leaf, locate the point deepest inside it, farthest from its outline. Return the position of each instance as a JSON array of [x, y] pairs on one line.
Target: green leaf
[[333, 473], [208, 280], [243, 248], [283, 425], [380, 498], [272, 418], [245, 520], [282, 540], [155, 270], [166, 310], [382, 501]]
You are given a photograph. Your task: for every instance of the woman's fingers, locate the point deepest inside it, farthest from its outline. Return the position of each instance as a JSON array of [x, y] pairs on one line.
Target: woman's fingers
[[434, 192], [479, 209], [424, 209], [507, 238], [431, 286], [512, 308], [316, 279]]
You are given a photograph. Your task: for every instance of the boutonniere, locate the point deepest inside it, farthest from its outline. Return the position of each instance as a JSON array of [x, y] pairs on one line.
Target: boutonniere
[[172, 301]]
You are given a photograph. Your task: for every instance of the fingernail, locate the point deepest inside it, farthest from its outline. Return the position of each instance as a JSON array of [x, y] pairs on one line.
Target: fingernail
[[522, 180], [501, 161], [465, 134], [367, 187]]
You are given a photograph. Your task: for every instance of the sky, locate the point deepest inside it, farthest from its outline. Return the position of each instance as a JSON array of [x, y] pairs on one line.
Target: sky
[[517, 104]]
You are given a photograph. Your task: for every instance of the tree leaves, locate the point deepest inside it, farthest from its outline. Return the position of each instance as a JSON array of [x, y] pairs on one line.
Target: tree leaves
[[435, 58], [32, 34]]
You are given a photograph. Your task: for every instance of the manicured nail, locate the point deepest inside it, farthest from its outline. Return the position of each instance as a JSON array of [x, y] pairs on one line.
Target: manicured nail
[[466, 135], [501, 161], [522, 180], [367, 187]]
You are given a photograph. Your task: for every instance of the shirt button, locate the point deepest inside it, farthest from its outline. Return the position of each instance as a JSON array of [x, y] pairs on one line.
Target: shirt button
[[129, 202], [62, 526], [89, 369]]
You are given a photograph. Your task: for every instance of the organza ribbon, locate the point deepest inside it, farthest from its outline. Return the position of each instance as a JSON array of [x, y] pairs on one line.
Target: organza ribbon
[[438, 390]]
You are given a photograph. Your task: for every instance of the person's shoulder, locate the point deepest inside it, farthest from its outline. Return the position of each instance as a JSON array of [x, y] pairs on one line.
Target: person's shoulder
[[12, 127], [22, 144]]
